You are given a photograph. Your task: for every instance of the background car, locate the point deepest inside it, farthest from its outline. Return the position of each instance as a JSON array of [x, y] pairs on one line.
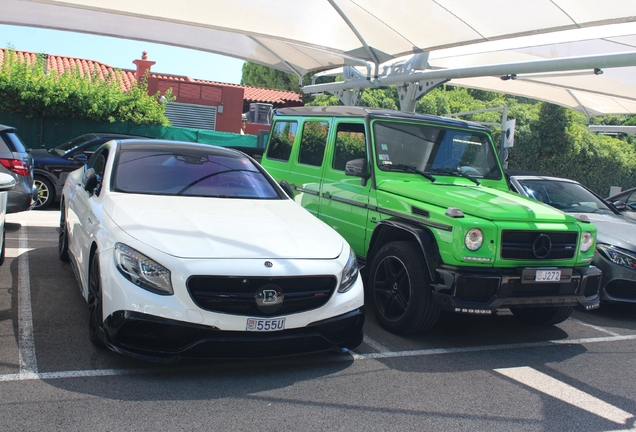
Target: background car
[[192, 250], [7, 183], [16, 161], [615, 252], [51, 166]]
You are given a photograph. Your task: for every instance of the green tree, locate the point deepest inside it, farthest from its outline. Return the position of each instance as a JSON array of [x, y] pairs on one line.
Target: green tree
[[27, 88]]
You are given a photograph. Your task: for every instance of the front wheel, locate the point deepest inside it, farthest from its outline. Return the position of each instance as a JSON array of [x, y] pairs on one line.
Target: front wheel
[[400, 289], [46, 192], [62, 243], [543, 315], [95, 302]]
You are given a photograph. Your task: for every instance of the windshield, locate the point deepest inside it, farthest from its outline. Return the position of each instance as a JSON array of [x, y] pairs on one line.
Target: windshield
[[190, 172], [566, 196], [434, 150], [70, 145]]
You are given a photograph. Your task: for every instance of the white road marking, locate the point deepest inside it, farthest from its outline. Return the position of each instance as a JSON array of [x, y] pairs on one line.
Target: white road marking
[[601, 329], [15, 252], [375, 345], [566, 393], [28, 362]]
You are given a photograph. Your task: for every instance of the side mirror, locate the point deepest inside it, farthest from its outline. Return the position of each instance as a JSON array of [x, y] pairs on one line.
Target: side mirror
[[620, 206], [287, 188], [7, 182], [80, 158], [91, 182], [357, 168]]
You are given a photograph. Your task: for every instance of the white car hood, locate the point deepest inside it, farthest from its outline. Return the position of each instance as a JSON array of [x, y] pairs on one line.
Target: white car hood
[[190, 227]]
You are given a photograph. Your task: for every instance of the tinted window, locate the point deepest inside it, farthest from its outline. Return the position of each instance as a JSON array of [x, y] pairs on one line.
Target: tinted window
[[566, 196], [14, 142], [190, 172], [350, 144], [281, 140], [313, 143]]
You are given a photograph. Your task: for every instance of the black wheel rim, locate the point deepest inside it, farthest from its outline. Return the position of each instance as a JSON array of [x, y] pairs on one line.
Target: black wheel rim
[[94, 300], [392, 288], [62, 239], [43, 193]]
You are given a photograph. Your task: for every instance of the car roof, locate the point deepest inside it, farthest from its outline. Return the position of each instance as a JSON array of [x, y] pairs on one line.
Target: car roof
[[168, 145], [356, 111], [528, 175], [626, 191]]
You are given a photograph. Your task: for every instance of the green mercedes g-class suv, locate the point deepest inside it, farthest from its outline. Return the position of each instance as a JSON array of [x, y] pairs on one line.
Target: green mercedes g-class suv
[[424, 203]]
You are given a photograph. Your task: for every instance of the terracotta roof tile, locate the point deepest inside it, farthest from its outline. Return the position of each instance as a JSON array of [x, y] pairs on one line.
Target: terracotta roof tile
[[127, 77]]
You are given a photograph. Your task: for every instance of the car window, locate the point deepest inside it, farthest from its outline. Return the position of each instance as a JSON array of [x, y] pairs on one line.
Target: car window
[[313, 142], [565, 196], [434, 150], [281, 140], [191, 172], [350, 145], [14, 142]]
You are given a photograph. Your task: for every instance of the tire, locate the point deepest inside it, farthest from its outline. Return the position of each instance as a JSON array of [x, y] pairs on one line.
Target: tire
[[62, 242], [399, 289], [2, 253], [46, 192], [543, 315], [95, 310]]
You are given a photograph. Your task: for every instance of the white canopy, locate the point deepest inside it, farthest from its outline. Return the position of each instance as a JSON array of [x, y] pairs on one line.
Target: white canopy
[[299, 36]]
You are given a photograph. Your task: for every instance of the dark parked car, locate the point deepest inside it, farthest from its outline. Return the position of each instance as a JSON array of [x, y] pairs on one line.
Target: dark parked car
[[615, 252], [53, 165], [16, 161]]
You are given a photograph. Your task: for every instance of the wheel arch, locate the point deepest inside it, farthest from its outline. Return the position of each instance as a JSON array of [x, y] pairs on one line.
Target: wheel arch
[[391, 230]]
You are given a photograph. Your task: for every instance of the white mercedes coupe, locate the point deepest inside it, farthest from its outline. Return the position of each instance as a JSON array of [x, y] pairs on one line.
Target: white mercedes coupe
[[186, 250]]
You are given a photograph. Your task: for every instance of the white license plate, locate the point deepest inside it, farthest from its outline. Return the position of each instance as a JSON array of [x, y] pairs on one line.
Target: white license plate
[[265, 325], [547, 276]]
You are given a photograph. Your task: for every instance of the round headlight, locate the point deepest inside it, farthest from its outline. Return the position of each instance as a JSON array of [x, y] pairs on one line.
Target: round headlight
[[587, 240], [474, 239]]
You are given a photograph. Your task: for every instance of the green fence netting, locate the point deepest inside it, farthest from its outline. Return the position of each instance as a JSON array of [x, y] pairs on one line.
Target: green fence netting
[[48, 132]]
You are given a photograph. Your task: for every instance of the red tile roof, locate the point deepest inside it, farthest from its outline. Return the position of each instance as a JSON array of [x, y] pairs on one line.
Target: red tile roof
[[127, 77]]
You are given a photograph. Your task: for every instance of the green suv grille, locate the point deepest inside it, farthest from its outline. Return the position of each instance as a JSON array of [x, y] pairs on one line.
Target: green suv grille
[[538, 245]]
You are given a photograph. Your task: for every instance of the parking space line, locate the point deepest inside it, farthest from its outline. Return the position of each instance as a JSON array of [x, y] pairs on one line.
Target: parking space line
[[601, 329], [566, 393], [28, 362], [375, 345]]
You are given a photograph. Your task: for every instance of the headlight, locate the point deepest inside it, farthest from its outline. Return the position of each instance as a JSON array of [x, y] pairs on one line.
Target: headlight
[[349, 273], [618, 256], [474, 239], [142, 271], [587, 240]]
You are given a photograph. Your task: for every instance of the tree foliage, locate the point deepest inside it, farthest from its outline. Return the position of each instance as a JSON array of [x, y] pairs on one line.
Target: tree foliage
[[27, 88]]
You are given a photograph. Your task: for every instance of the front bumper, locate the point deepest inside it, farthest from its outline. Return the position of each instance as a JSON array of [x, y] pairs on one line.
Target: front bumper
[[483, 291], [153, 338], [618, 283]]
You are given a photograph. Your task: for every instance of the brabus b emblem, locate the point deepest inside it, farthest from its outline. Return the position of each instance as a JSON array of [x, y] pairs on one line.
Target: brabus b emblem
[[269, 298], [269, 264]]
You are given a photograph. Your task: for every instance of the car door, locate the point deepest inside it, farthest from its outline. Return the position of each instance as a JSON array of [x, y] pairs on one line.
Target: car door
[[306, 173], [345, 199], [84, 220]]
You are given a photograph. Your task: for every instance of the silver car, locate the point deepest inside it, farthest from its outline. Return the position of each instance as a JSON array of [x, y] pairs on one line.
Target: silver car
[[616, 237], [16, 161]]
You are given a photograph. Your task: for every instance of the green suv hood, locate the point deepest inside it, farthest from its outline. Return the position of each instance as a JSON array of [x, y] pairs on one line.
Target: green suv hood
[[484, 202]]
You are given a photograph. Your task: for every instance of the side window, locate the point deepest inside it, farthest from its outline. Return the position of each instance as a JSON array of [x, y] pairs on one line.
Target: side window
[[98, 162], [313, 142], [281, 140], [350, 144]]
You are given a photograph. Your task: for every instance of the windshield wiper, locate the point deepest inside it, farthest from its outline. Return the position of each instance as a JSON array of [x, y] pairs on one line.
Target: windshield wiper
[[409, 168], [458, 172]]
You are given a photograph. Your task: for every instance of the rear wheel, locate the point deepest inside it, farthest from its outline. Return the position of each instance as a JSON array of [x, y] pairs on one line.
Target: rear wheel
[[400, 289], [543, 315], [46, 192], [62, 243], [95, 302]]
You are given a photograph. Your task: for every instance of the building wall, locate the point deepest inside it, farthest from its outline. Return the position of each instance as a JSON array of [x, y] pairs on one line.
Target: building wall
[[227, 99]]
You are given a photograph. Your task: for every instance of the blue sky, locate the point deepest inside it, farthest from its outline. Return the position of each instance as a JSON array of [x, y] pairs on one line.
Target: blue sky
[[120, 53]]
